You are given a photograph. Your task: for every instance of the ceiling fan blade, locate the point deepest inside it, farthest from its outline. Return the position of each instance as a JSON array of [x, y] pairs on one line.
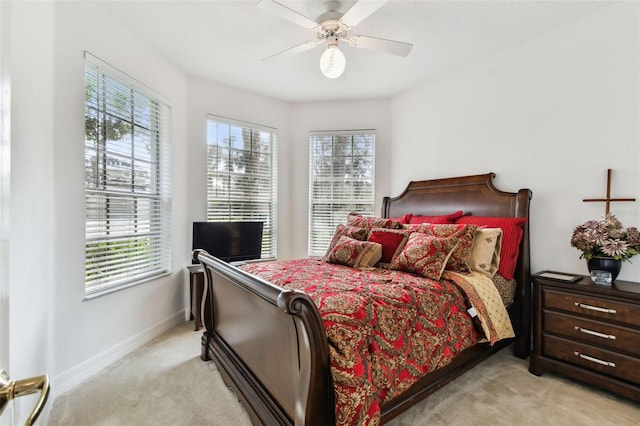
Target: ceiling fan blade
[[360, 10], [295, 49], [287, 13], [397, 48]]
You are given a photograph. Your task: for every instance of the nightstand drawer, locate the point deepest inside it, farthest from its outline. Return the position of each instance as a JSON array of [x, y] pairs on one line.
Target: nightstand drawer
[[594, 332], [595, 359], [593, 307]]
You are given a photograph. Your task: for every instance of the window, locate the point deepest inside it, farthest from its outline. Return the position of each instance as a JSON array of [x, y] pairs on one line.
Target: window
[[127, 181], [242, 176], [340, 181]]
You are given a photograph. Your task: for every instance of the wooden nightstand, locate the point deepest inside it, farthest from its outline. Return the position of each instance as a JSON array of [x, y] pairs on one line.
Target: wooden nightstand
[[588, 332]]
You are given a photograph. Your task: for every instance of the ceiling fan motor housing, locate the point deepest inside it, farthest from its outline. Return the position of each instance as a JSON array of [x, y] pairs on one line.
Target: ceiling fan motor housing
[[332, 28]]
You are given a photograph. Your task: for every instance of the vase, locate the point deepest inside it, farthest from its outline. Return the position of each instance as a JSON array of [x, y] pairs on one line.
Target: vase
[[604, 270]]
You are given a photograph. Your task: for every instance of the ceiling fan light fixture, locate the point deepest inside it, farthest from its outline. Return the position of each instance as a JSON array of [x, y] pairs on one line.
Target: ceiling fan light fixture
[[333, 26], [332, 61]]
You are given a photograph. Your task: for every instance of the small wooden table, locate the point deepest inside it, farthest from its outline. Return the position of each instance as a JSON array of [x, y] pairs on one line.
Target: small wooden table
[[196, 289]]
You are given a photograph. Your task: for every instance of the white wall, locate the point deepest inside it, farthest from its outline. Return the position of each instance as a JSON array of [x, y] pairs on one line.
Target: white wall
[[211, 98], [109, 320], [5, 179], [551, 114], [32, 190], [318, 116], [52, 328], [32, 193]]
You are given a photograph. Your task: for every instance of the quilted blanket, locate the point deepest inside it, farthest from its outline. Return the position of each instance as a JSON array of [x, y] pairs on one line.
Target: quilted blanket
[[385, 329]]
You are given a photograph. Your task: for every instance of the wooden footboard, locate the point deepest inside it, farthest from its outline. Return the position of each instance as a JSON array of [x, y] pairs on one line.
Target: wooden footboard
[[269, 344]]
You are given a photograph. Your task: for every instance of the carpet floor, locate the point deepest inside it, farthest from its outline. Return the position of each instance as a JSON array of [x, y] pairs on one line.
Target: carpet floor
[[166, 383]]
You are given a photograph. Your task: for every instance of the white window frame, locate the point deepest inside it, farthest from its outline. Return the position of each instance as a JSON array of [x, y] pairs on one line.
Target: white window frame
[[332, 193], [228, 139], [127, 181]]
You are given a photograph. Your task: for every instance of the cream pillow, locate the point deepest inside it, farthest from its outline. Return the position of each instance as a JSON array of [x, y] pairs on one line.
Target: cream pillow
[[485, 253]]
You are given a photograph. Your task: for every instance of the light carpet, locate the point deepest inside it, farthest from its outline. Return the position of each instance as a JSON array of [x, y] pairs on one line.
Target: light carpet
[[166, 383]]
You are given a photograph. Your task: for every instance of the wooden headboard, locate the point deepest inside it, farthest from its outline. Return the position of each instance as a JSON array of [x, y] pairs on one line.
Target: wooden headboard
[[474, 195], [467, 193]]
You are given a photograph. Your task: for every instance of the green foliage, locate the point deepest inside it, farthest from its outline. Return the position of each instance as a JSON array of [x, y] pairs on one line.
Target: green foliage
[[109, 126], [123, 250]]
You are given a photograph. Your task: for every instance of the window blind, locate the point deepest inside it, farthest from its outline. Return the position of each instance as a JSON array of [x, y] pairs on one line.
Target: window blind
[[341, 180], [127, 181], [242, 176]]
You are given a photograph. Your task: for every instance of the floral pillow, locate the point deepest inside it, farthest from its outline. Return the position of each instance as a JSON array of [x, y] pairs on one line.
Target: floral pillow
[[392, 242], [462, 236], [424, 255], [485, 254], [356, 219], [349, 231], [354, 253]]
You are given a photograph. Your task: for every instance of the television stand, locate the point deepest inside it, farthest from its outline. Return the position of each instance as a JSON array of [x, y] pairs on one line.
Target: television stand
[[196, 289]]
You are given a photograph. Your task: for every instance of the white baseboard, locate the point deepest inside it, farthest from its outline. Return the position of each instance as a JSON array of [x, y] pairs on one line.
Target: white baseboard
[[81, 372]]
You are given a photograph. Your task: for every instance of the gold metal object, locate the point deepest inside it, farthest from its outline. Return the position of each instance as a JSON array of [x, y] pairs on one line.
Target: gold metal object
[[11, 389]]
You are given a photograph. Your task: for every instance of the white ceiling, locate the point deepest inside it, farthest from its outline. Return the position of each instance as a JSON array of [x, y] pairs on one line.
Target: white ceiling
[[225, 41]]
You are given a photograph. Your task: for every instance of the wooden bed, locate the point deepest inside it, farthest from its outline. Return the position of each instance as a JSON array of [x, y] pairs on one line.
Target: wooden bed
[[269, 343]]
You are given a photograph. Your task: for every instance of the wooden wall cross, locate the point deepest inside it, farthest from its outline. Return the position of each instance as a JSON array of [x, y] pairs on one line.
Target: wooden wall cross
[[608, 198]]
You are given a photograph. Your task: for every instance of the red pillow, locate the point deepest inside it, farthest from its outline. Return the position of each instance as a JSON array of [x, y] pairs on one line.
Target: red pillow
[[447, 218], [403, 219], [392, 242], [511, 236]]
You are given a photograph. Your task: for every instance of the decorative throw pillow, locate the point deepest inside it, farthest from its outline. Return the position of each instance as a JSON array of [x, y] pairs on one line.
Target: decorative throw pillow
[[356, 219], [485, 253], [349, 231], [506, 288], [402, 219], [354, 253], [512, 231], [462, 236], [392, 241], [424, 255], [447, 218]]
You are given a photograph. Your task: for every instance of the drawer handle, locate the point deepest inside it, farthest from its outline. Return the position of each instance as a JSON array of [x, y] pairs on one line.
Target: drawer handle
[[594, 333], [595, 308], [596, 360]]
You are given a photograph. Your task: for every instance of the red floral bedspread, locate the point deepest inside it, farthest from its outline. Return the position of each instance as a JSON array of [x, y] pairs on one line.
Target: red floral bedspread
[[386, 329]]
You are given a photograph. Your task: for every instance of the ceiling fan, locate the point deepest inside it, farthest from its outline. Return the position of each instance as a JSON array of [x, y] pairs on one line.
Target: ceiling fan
[[333, 27]]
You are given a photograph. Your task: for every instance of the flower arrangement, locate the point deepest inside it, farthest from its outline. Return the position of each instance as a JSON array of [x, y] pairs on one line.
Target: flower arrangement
[[606, 237]]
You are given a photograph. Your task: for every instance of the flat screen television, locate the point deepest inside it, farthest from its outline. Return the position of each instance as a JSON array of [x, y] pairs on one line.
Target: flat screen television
[[229, 241]]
